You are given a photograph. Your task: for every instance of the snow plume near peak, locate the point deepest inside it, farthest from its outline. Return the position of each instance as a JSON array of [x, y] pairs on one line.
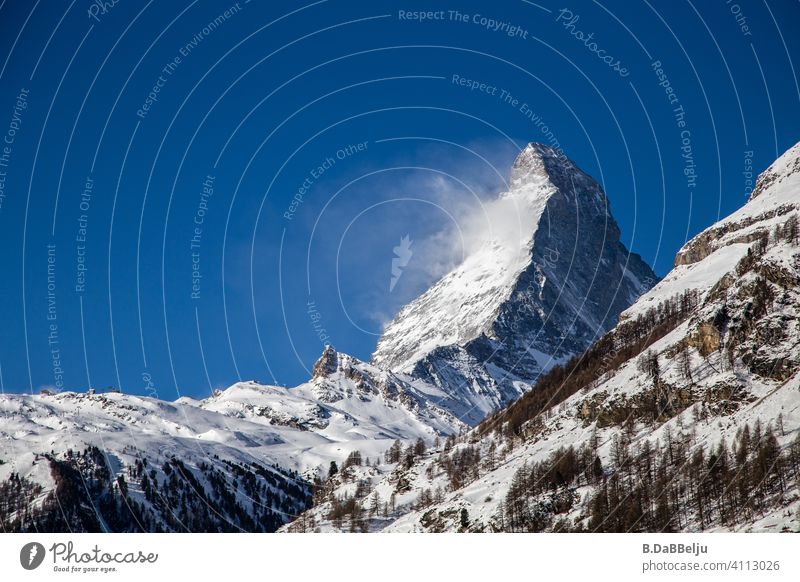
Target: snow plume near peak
[[442, 211], [502, 222], [503, 219], [495, 237], [505, 222]]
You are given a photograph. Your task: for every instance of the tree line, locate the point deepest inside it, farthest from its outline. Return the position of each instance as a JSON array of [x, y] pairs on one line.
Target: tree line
[[665, 486]]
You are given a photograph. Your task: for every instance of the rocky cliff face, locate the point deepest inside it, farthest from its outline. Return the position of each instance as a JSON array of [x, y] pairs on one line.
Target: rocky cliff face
[[520, 304]]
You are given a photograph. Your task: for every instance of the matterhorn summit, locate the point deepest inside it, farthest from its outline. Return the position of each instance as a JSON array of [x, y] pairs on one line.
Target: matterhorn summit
[[550, 276]]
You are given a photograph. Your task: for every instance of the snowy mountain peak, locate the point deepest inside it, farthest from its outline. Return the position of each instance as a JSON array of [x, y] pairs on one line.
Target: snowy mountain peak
[[538, 161], [785, 167], [521, 302], [539, 164]]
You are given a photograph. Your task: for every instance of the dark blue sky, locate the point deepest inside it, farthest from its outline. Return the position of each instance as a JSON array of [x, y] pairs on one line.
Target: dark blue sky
[[145, 125]]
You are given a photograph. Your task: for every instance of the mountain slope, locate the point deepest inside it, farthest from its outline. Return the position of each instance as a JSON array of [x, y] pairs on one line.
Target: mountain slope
[[245, 458], [550, 276], [685, 417], [113, 462]]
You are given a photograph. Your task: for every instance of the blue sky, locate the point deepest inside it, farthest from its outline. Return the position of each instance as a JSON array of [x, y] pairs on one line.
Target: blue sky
[[296, 144]]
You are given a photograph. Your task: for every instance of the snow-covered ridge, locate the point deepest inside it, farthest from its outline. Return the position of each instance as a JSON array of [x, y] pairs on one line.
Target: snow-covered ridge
[[345, 400], [773, 198], [703, 261], [780, 177], [264, 433]]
